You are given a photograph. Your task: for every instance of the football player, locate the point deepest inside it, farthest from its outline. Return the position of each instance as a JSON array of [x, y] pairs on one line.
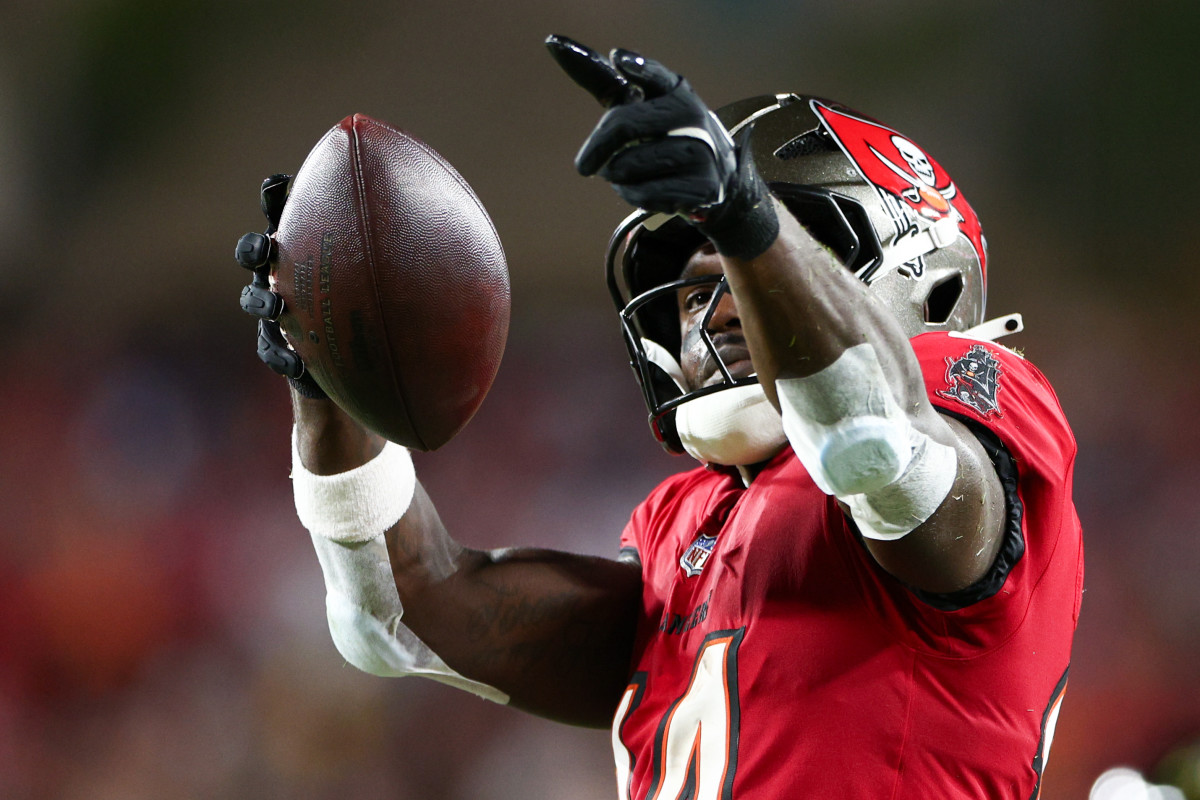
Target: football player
[[870, 586]]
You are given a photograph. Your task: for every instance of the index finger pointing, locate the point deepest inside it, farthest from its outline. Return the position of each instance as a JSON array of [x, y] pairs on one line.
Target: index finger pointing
[[590, 70]]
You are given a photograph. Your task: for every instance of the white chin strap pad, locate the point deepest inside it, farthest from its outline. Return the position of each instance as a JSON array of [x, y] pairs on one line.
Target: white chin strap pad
[[737, 426], [734, 427], [347, 515], [858, 444]]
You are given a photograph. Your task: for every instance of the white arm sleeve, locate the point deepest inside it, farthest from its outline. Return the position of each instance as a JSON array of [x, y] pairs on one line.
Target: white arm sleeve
[[347, 515]]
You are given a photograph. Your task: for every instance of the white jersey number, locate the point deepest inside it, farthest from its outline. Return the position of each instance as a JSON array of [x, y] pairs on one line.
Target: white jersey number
[[695, 748]]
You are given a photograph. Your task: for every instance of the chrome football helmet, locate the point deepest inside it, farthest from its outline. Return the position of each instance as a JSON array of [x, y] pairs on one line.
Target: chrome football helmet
[[888, 211]]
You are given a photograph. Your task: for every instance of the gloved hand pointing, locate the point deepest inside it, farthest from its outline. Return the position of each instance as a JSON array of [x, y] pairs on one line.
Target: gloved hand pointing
[[664, 151]]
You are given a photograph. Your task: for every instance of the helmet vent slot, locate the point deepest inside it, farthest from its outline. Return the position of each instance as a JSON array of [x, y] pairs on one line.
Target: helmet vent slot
[[805, 145], [942, 299]]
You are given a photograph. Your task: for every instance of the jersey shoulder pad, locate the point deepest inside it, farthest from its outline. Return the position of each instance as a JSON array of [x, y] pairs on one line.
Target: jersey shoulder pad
[[989, 384]]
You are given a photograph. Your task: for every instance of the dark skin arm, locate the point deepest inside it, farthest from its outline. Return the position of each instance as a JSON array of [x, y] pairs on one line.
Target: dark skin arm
[[552, 630], [799, 310]]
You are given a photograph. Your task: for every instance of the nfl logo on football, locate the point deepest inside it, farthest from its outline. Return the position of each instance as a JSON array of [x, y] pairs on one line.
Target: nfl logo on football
[[696, 556]]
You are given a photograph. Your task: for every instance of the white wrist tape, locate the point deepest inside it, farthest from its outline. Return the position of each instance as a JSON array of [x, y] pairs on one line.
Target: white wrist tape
[[858, 444], [358, 505], [347, 515]]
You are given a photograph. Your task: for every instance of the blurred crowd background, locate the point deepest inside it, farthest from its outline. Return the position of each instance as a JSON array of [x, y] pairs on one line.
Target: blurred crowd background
[[162, 628]]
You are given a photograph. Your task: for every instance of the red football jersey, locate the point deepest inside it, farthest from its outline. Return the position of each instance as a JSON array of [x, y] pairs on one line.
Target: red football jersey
[[775, 658]]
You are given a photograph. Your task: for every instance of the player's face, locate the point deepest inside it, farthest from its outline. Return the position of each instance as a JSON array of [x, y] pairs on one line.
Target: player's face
[[725, 327]]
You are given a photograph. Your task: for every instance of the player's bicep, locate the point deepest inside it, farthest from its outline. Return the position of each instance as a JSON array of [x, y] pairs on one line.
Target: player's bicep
[[955, 547], [554, 631]]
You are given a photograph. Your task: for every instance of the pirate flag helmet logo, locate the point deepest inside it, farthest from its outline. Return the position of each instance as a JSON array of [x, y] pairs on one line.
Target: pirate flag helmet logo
[[908, 180]]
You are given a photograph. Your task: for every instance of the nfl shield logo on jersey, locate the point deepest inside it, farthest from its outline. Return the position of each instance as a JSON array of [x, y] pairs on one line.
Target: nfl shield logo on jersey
[[696, 556]]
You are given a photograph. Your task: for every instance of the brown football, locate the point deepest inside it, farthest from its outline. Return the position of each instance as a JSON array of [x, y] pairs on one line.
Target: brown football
[[394, 282]]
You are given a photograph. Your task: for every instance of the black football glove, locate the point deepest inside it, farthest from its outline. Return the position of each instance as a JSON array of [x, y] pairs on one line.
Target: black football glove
[[663, 150], [255, 252]]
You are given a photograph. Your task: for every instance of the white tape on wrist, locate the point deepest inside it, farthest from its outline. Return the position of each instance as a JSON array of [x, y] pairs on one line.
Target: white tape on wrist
[[858, 445], [357, 505], [347, 515]]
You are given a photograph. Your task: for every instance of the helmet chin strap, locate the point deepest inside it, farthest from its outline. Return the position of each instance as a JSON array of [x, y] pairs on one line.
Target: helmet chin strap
[[735, 427], [660, 357]]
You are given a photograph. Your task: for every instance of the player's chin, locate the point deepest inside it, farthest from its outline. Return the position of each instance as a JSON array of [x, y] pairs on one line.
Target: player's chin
[[738, 369]]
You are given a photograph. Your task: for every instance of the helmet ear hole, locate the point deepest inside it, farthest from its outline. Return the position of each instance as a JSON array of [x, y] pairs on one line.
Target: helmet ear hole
[[942, 299]]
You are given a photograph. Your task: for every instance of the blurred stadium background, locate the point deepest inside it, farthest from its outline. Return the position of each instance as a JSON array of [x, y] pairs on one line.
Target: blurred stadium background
[[161, 617]]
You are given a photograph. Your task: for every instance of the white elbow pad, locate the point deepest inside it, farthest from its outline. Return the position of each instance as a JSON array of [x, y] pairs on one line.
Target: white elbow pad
[[858, 445], [347, 515]]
